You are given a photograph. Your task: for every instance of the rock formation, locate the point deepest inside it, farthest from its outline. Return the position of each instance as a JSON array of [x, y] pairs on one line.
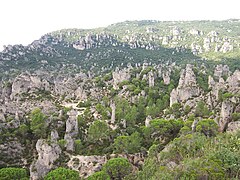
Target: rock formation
[[119, 76], [226, 112], [187, 87], [48, 153], [71, 130], [113, 115]]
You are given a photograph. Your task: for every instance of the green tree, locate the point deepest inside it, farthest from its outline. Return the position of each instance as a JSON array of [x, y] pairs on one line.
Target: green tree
[[13, 173], [175, 110], [201, 168], [78, 146], [236, 116], [122, 108], [161, 131], [98, 131], [128, 144], [202, 110], [101, 175], [23, 130], [141, 110], [202, 80], [62, 174], [208, 127], [38, 123], [102, 110], [131, 116], [230, 160], [117, 168], [163, 103]]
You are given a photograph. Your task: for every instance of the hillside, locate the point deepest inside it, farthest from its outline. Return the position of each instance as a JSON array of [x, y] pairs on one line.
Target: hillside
[[162, 98]]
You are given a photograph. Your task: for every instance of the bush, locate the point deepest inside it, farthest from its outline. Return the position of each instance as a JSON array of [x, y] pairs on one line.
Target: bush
[[200, 168], [62, 143], [38, 123], [202, 110], [208, 127], [185, 130], [78, 146], [128, 144], [236, 116], [13, 173], [229, 160], [62, 174], [101, 175], [117, 168]]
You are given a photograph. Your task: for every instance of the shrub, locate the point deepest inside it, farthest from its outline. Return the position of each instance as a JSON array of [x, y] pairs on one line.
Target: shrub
[[208, 127], [200, 168], [101, 175], [13, 173], [236, 116], [62, 174], [117, 168]]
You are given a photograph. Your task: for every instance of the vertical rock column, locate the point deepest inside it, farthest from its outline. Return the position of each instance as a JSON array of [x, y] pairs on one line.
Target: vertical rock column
[[226, 112], [113, 116], [71, 130]]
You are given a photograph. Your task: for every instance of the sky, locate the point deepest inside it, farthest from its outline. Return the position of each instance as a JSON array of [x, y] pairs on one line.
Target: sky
[[23, 21]]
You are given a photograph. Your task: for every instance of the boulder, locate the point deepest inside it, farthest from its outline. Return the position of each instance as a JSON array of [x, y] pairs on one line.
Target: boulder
[[86, 165]]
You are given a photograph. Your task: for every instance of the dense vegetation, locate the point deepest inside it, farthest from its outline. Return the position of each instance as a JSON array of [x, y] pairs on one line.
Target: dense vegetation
[[195, 156]]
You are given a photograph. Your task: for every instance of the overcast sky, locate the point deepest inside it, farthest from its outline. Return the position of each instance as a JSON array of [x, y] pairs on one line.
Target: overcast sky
[[22, 21]]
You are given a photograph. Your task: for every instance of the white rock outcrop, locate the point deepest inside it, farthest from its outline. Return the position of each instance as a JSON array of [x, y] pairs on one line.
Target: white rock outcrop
[[226, 113], [71, 130], [187, 87], [48, 153], [120, 76], [26, 82]]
